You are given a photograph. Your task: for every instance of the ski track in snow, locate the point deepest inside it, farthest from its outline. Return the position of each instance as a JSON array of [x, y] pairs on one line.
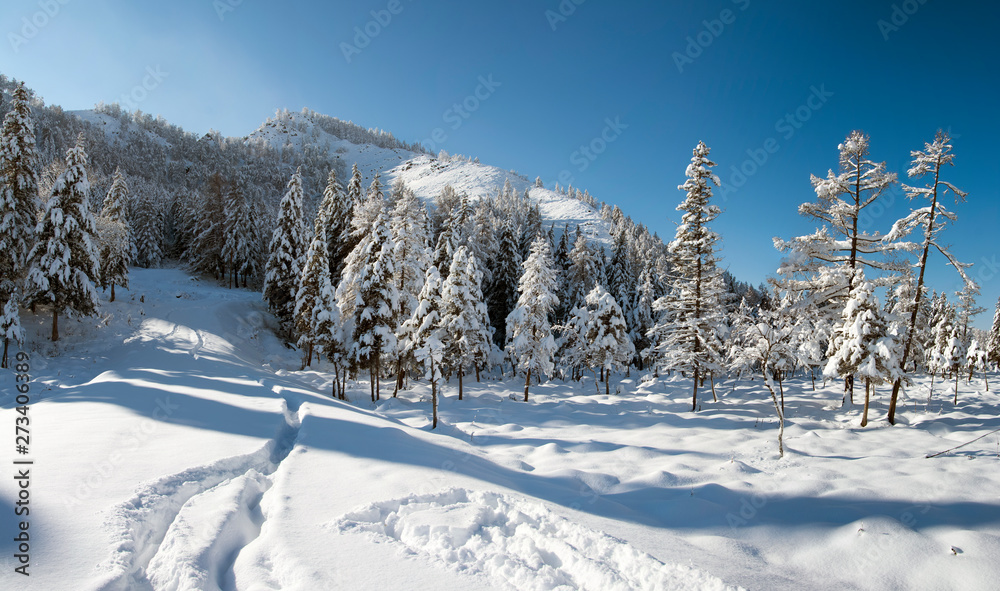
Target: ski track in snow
[[517, 544], [185, 531]]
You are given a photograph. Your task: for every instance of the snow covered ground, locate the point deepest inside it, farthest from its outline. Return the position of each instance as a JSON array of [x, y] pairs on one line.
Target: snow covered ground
[[176, 446]]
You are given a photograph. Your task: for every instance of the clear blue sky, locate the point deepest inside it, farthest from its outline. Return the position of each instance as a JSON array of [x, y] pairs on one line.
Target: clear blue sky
[[229, 64]]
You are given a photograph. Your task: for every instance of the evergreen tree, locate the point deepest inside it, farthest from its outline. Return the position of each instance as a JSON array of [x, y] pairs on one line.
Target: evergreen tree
[[148, 230], [993, 344], [465, 327], [530, 345], [369, 300], [65, 259], [116, 242], [580, 277], [862, 343], [315, 274], [503, 293], [621, 278], [18, 206], [327, 331], [337, 211], [610, 347], [286, 253], [975, 359], [692, 312], [931, 220], [423, 334], [239, 250], [205, 251], [354, 189], [408, 226], [643, 320]]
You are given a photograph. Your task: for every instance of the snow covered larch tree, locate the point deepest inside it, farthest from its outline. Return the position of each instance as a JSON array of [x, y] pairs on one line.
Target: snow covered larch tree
[[65, 259], [692, 313], [821, 265], [530, 344], [929, 220], [287, 252]]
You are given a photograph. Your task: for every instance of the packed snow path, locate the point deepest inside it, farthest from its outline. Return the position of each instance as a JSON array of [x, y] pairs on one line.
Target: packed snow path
[[179, 447]]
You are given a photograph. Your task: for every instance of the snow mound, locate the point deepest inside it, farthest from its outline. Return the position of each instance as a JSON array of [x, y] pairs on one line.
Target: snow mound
[[517, 544]]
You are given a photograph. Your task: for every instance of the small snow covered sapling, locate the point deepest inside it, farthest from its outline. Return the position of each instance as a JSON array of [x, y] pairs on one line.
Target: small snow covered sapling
[[864, 345]]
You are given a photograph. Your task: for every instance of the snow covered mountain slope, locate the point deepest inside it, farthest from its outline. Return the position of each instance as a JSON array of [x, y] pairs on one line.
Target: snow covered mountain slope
[[427, 175]]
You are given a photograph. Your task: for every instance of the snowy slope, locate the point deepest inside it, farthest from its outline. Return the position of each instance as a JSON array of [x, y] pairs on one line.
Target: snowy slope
[[300, 131], [427, 175], [177, 446], [113, 128]]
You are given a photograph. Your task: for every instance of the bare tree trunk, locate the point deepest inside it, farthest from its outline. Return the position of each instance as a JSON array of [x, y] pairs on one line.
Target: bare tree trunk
[[711, 380], [694, 395], [112, 292], [812, 374], [864, 415], [527, 382], [607, 384], [460, 384], [6, 342], [956, 388], [781, 419], [781, 388], [477, 373], [931, 393], [55, 325]]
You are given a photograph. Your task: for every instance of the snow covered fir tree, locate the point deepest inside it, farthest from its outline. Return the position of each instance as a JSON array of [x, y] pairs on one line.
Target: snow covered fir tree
[[425, 319]]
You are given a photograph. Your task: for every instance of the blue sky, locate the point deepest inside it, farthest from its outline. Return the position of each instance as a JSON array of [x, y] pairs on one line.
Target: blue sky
[[559, 72]]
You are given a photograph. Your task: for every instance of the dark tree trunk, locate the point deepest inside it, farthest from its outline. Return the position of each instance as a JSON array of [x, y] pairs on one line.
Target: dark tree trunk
[[55, 325], [527, 382], [6, 342], [864, 415], [956, 388], [694, 395], [459, 384], [112, 292]]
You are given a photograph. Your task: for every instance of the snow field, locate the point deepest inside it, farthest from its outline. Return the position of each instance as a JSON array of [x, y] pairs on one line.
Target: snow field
[[517, 544], [179, 447]]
